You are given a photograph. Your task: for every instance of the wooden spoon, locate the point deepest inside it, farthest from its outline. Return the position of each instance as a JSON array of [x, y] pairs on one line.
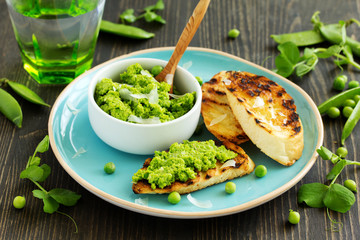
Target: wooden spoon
[[167, 74]]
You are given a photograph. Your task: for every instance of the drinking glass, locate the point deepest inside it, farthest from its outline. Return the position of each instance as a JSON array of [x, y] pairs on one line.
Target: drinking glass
[[56, 38]]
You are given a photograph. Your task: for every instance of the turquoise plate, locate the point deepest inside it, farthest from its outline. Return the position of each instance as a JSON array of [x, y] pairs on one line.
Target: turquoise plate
[[83, 155]]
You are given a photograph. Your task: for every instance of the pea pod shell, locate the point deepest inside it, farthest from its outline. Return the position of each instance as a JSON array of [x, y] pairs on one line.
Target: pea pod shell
[[350, 123], [332, 33], [125, 30], [338, 99], [10, 108], [27, 93], [305, 38]]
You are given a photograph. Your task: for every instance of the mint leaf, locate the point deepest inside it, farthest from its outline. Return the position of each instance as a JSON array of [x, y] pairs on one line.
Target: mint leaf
[[39, 194], [46, 173], [50, 204], [33, 173], [128, 16], [290, 51], [339, 198], [312, 194], [339, 166], [43, 146], [34, 161], [284, 67], [324, 153], [64, 196]]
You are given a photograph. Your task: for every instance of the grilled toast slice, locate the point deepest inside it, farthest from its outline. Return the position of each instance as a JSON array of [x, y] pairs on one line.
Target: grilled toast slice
[[267, 114], [217, 114], [243, 165]]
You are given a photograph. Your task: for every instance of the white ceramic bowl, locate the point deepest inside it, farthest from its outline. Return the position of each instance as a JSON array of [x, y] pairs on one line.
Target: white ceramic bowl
[[143, 138]]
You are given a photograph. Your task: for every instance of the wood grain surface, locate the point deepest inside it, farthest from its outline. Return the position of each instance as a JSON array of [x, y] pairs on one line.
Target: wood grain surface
[[97, 219]]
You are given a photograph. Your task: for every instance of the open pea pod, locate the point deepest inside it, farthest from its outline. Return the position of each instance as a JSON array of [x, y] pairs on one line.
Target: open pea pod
[[10, 108], [27, 93]]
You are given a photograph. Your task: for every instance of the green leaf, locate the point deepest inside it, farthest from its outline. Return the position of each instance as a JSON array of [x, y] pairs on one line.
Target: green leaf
[[290, 51], [43, 146], [47, 171], [34, 161], [50, 204], [33, 173], [339, 198], [64, 196], [284, 66], [159, 5], [312, 194], [39, 194], [339, 166], [334, 49], [128, 16], [324, 153], [150, 16]]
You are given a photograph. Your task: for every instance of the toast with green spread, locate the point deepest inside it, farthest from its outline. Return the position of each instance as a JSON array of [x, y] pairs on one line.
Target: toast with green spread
[[197, 165]]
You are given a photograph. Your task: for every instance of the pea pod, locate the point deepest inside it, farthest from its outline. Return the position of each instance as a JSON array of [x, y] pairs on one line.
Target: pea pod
[[125, 30], [301, 39], [350, 123], [338, 99], [26, 93], [10, 108]]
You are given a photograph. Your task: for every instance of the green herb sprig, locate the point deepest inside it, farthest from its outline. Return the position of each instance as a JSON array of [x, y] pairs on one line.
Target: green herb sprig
[[334, 196], [149, 14], [38, 173], [290, 60]]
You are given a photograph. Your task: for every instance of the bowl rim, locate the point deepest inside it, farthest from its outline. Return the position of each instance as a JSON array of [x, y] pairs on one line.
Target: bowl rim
[[95, 79]]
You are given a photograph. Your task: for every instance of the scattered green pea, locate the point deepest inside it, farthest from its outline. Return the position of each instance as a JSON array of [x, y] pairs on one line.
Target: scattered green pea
[[233, 33], [174, 198], [19, 202], [230, 187], [294, 217], [351, 185], [347, 111], [339, 82], [333, 112], [199, 79], [156, 70], [356, 98], [260, 171], [109, 168], [353, 84], [341, 152], [349, 102]]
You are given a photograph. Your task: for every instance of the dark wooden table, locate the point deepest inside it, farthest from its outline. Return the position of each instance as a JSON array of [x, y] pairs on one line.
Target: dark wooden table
[[98, 219]]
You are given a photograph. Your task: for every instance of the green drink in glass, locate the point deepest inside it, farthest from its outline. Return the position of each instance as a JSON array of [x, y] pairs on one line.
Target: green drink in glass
[[57, 38]]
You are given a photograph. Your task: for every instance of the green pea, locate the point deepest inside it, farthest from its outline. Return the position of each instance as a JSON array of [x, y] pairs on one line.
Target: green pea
[[230, 187], [109, 168], [199, 79], [260, 171], [351, 185], [341, 152], [156, 70], [19, 202], [233, 33], [10, 108], [356, 98], [339, 82], [333, 112], [174, 198], [294, 217], [347, 111], [349, 102], [353, 84], [27, 93]]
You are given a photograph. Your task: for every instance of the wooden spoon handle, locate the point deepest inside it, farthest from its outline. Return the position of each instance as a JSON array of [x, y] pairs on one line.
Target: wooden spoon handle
[[184, 40]]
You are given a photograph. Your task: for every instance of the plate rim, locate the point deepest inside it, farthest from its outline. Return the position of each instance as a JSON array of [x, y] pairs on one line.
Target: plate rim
[[177, 214]]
